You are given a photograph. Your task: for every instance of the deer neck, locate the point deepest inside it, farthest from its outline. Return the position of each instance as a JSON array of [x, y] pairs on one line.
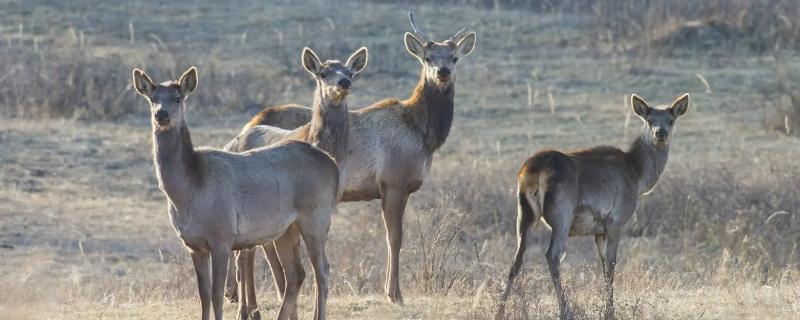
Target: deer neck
[[433, 107], [649, 162], [329, 126], [177, 164]]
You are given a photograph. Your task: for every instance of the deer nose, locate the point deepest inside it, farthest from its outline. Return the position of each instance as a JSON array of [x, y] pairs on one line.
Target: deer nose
[[443, 72], [161, 116], [344, 83], [661, 133]]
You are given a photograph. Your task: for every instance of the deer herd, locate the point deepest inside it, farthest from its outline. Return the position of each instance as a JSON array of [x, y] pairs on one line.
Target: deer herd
[[279, 181]]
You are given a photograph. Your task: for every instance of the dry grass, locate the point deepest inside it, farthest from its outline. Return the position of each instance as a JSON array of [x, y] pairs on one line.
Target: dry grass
[[83, 229]]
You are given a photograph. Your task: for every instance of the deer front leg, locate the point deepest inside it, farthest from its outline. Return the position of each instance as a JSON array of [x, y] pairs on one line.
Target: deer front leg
[[220, 258], [241, 266], [231, 285], [394, 205], [201, 269]]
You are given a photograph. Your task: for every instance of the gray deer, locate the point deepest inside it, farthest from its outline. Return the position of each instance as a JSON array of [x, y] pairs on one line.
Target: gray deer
[[591, 192], [220, 201], [328, 130], [392, 142]]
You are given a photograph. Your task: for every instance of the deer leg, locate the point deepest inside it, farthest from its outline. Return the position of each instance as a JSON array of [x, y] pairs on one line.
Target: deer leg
[[394, 205], [287, 248], [558, 241], [315, 232], [250, 285], [201, 269], [275, 266], [241, 261], [231, 285], [611, 261], [600, 242], [220, 258], [525, 218]]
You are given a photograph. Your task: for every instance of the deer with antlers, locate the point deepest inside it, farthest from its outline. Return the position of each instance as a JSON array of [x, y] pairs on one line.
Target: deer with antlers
[[392, 141]]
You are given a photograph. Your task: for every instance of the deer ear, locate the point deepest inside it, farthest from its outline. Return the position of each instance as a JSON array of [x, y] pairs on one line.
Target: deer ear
[[640, 107], [142, 83], [188, 81], [466, 44], [358, 60], [311, 61], [413, 45], [680, 106]]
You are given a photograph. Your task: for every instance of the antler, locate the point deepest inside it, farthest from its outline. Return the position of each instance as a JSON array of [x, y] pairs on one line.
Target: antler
[[417, 30], [457, 36]]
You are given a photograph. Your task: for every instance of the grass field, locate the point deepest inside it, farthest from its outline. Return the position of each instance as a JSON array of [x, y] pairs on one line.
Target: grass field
[[84, 232]]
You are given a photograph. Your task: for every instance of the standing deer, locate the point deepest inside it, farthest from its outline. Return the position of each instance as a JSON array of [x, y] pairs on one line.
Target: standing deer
[[392, 142], [220, 201], [328, 131], [591, 192]]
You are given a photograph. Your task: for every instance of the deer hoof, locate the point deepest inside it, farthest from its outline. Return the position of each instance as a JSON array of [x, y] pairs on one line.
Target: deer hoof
[[232, 295], [395, 297]]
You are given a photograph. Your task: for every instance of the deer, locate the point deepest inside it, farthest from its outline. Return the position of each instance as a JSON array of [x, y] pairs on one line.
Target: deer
[[392, 141], [220, 201], [328, 130], [591, 192]]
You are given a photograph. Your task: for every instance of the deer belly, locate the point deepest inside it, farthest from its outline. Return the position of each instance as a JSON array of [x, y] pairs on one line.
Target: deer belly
[[252, 232], [586, 222]]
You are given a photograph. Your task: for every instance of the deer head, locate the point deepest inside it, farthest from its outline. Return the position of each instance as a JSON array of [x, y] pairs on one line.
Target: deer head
[[165, 99], [439, 59], [332, 76], [660, 122]]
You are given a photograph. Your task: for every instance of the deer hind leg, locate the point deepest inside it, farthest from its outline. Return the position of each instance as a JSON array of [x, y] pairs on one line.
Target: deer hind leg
[[394, 205], [600, 242], [315, 232], [231, 285], [203, 272], [275, 267], [287, 247], [612, 244], [526, 217], [559, 211]]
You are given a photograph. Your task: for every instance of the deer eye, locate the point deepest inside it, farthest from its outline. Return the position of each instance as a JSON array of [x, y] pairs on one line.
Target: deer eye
[[427, 59], [455, 59], [178, 100], [671, 122], [323, 75]]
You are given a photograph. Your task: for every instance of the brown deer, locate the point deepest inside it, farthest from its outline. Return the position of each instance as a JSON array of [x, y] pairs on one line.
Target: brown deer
[[392, 142], [591, 192], [220, 201], [328, 131]]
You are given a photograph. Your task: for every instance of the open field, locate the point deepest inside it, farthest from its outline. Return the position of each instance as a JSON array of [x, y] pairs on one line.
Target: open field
[[83, 226]]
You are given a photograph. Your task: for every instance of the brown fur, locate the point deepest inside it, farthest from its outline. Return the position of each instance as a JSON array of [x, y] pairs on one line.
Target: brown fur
[[281, 114], [591, 192]]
